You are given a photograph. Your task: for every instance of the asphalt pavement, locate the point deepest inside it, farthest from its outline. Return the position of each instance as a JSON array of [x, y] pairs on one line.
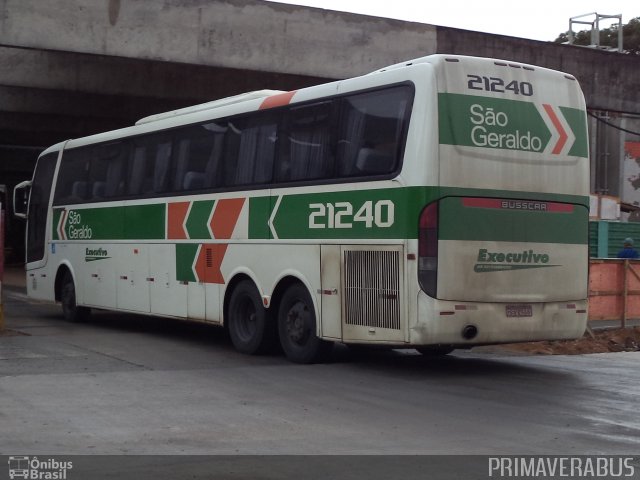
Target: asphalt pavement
[[129, 384]]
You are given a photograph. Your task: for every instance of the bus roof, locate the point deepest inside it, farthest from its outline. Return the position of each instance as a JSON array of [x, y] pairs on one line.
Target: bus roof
[[209, 105], [439, 59]]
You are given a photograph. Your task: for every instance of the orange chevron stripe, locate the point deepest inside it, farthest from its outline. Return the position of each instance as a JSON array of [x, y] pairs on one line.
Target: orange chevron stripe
[[176, 213], [209, 258], [556, 123], [209, 263], [224, 218], [201, 264], [277, 100]]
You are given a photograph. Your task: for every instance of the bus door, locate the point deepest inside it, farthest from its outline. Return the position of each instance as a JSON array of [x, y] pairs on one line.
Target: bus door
[[38, 209]]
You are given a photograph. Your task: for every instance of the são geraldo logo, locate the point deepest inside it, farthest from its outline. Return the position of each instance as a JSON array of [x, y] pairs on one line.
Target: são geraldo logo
[[38, 469]]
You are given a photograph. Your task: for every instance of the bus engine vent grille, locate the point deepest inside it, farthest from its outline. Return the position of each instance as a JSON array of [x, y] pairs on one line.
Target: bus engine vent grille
[[372, 288]]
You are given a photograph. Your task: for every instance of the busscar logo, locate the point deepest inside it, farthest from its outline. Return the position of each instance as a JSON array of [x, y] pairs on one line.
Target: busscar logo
[[36, 469], [501, 261]]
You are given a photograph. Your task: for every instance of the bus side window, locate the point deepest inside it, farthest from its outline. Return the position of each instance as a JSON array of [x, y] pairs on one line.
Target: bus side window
[[162, 167], [307, 152], [72, 185], [231, 150], [150, 165], [181, 165], [212, 170], [198, 159], [251, 148], [114, 185], [372, 130], [137, 170], [106, 171]]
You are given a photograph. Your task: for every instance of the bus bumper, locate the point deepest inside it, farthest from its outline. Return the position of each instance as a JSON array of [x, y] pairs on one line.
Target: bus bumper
[[473, 323]]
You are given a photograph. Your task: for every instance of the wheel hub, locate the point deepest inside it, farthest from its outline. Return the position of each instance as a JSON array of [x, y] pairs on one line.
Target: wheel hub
[[297, 323]]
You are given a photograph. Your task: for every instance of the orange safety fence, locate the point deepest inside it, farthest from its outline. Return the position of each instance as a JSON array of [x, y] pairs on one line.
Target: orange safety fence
[[614, 289]]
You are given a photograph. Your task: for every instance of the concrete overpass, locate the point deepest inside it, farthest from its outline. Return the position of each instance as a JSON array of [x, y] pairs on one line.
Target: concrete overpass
[[74, 67]]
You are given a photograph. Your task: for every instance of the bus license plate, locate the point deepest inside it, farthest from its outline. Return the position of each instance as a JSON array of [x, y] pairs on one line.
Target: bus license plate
[[519, 311]]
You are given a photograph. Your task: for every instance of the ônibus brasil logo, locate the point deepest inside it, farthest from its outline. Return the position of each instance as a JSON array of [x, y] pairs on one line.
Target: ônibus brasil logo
[[501, 261], [38, 469]]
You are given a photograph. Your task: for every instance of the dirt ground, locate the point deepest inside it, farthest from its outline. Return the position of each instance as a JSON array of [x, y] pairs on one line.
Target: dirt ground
[[7, 332], [602, 341]]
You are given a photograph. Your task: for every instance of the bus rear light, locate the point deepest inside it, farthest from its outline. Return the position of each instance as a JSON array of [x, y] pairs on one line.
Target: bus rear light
[[447, 312], [428, 263], [581, 311], [428, 249]]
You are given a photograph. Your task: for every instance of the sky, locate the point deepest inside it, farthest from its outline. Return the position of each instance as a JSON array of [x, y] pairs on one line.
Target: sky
[[536, 19]]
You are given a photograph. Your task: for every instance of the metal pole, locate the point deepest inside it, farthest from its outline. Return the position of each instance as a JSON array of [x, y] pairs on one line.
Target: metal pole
[[620, 38], [571, 31]]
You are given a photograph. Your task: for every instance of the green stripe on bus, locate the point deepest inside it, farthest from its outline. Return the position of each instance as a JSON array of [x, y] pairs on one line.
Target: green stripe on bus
[[135, 222], [259, 211], [388, 213], [512, 194], [391, 213], [459, 222], [486, 122], [57, 212], [577, 120], [146, 222], [185, 257], [197, 223]]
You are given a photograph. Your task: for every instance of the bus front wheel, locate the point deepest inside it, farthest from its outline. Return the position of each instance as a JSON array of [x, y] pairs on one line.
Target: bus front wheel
[[297, 327], [70, 310], [250, 327]]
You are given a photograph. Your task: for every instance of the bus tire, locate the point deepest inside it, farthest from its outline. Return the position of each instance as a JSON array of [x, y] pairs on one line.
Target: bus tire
[[250, 327], [435, 351], [297, 327], [70, 310]]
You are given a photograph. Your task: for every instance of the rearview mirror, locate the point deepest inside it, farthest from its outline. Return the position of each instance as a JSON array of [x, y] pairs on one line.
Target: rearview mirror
[[21, 199]]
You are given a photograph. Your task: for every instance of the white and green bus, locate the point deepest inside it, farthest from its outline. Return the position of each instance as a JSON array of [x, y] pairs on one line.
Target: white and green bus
[[435, 204]]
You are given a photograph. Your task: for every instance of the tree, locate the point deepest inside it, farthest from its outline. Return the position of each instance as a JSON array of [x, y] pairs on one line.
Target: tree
[[609, 37]]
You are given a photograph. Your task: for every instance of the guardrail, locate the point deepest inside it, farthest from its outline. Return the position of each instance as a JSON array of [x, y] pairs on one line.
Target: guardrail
[[614, 289]]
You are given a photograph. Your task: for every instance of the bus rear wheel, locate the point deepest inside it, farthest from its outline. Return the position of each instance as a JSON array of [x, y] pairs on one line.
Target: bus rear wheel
[[70, 310], [297, 327], [250, 328]]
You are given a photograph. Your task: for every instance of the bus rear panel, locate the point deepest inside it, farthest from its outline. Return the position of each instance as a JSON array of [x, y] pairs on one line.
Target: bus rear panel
[[504, 248]]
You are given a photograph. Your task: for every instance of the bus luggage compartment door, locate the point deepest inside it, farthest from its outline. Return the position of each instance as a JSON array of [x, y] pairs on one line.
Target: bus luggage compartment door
[[132, 274]]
